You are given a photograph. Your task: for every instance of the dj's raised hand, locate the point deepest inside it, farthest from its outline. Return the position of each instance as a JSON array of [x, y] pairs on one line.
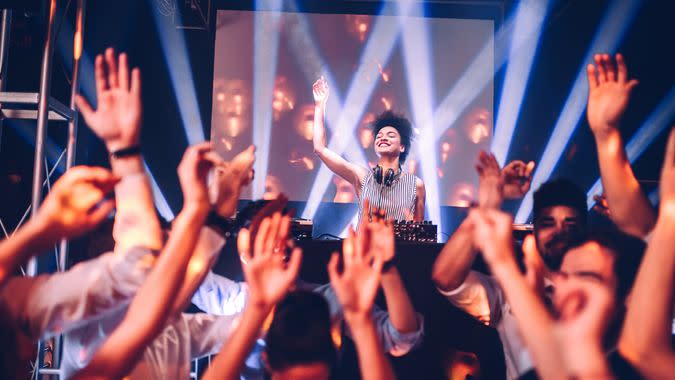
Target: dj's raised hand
[[229, 179], [517, 177], [320, 91], [77, 201], [117, 119], [357, 283], [609, 93], [268, 274]]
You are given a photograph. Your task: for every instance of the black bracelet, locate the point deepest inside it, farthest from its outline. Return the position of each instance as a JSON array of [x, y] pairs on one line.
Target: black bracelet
[[223, 226], [126, 152]]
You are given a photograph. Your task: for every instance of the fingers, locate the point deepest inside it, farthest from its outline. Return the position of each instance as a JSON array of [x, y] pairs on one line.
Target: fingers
[[101, 212], [136, 82], [529, 169], [592, 77], [284, 229], [101, 80], [294, 264], [260, 237], [123, 72], [333, 273], [609, 68], [622, 72], [271, 237], [602, 75], [111, 62], [85, 108], [348, 247]]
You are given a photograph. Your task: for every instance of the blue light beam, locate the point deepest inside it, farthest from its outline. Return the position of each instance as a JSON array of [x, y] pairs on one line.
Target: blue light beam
[[614, 26]]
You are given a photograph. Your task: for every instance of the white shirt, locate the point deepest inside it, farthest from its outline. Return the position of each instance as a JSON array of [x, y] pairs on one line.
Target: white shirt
[[481, 297]]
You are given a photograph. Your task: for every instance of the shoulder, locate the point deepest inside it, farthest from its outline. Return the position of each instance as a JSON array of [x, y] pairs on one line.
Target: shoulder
[[419, 185]]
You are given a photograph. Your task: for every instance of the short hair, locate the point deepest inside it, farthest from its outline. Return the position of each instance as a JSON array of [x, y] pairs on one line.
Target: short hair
[[401, 124], [627, 251], [300, 332], [559, 192]]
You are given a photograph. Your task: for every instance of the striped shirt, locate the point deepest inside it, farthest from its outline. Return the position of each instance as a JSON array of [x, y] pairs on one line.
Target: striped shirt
[[397, 201]]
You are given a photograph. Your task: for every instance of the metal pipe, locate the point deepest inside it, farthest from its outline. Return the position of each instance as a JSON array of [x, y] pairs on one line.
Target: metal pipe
[[4, 51], [43, 114]]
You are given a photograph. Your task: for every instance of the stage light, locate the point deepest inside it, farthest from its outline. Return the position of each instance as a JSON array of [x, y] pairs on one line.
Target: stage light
[[178, 64], [478, 125], [160, 202], [657, 121], [417, 62], [616, 21], [378, 48], [265, 46], [654, 197], [530, 16]]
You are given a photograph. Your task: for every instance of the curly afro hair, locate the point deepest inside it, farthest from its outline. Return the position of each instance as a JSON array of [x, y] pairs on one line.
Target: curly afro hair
[[400, 124]]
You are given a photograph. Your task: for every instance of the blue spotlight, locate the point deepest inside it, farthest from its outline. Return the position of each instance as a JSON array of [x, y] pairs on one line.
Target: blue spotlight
[[417, 59], [379, 47], [525, 38], [654, 197], [176, 56], [53, 153], [266, 43], [313, 66], [160, 202], [650, 129], [616, 21]]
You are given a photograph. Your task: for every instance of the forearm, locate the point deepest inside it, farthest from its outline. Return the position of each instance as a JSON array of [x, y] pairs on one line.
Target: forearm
[[33, 238], [401, 310], [534, 322], [227, 365], [585, 360], [208, 246], [319, 135], [150, 308], [629, 207], [136, 222], [454, 262], [648, 323], [373, 364]]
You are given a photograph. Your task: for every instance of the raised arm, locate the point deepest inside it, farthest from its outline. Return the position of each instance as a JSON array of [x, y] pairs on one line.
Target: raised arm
[[335, 162], [646, 337], [269, 278], [117, 121], [356, 287], [150, 308], [609, 94], [554, 346], [75, 205], [224, 190]]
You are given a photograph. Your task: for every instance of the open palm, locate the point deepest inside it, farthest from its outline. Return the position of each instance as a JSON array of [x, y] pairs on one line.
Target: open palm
[[117, 118], [609, 92]]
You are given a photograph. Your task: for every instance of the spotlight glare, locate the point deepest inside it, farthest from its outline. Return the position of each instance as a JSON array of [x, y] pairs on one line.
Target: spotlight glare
[[160, 202], [266, 43], [525, 39], [616, 21], [178, 64]]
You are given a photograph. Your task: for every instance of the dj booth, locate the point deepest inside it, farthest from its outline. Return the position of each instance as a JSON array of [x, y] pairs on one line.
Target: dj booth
[[445, 327]]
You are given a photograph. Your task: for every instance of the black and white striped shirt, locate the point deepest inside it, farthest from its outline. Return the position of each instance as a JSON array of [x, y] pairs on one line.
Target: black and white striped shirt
[[397, 201]]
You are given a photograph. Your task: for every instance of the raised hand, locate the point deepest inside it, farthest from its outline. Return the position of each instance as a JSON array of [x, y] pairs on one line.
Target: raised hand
[[609, 93], [320, 91], [357, 284], [267, 273], [192, 172], [601, 205], [535, 268], [228, 181], [493, 234], [517, 177], [117, 119], [77, 201], [491, 183]]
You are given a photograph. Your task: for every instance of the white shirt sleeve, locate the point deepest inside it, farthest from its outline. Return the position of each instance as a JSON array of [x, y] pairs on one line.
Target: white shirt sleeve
[[208, 332], [68, 299], [220, 295], [480, 296]]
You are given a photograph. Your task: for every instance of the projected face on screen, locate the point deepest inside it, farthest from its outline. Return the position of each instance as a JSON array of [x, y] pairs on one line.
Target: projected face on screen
[[265, 65]]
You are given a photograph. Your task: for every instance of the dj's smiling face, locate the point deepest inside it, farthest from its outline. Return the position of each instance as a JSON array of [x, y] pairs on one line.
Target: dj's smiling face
[[388, 142]]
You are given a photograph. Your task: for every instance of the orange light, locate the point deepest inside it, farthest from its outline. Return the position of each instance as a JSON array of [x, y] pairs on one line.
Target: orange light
[[386, 103]]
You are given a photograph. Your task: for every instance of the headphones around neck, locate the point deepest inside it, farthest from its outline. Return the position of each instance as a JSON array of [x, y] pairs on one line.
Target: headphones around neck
[[386, 178]]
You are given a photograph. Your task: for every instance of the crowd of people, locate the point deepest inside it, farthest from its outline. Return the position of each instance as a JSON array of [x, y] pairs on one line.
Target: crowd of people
[[572, 302]]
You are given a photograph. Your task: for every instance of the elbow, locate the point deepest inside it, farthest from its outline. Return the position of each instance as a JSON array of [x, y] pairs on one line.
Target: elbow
[[443, 280]]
